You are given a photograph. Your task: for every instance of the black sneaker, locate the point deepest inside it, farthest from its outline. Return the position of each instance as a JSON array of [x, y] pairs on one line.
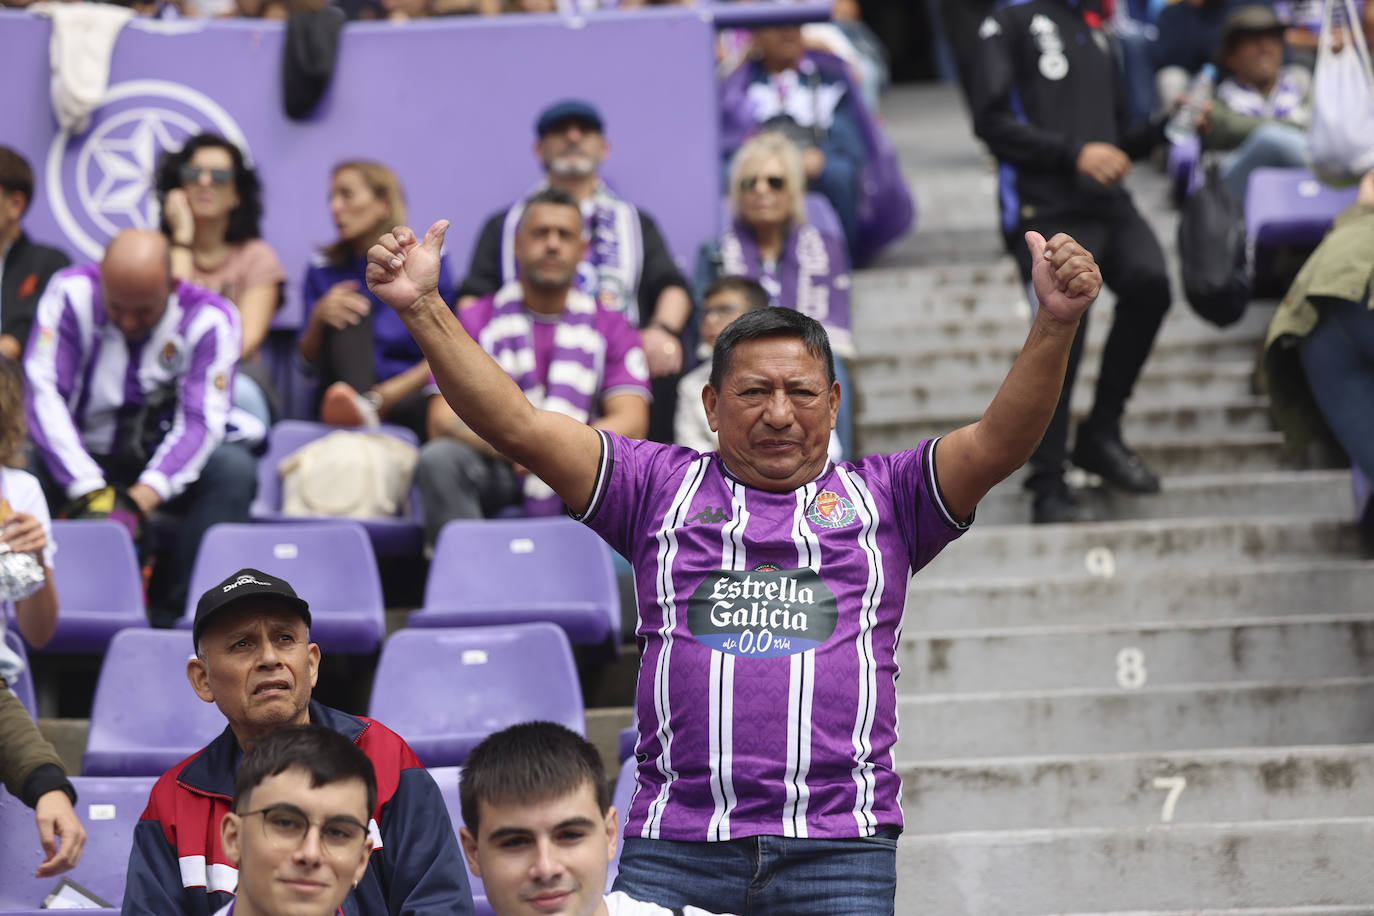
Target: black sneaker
[[1109, 458], [1056, 505]]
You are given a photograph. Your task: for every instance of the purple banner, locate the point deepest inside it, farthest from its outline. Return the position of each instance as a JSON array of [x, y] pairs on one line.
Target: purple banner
[[449, 104]]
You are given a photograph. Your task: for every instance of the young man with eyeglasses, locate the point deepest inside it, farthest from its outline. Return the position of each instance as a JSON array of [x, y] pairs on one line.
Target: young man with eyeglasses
[[298, 829]]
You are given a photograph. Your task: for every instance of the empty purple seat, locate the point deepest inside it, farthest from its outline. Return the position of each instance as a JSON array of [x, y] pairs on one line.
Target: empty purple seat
[[621, 798], [108, 807], [1290, 207], [23, 688], [329, 564], [99, 585], [445, 690], [447, 778], [502, 571], [145, 716], [389, 536]]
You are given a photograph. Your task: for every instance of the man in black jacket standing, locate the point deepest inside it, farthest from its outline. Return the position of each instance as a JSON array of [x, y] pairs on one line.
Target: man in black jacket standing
[[1047, 99], [25, 267]]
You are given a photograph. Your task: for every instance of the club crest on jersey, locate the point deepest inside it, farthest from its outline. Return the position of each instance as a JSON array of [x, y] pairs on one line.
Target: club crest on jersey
[[831, 510], [170, 357]]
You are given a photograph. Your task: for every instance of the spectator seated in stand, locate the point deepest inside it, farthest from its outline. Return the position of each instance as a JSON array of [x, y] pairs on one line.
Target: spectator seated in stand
[[25, 266], [33, 773], [25, 526], [567, 351], [848, 37], [770, 240], [539, 828], [255, 661], [1260, 114], [1189, 35], [112, 442], [369, 368], [626, 266], [1319, 352], [806, 96], [210, 212]]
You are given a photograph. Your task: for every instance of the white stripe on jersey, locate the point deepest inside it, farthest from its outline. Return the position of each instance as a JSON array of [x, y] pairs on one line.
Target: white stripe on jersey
[[864, 778], [721, 705], [667, 602], [800, 687]]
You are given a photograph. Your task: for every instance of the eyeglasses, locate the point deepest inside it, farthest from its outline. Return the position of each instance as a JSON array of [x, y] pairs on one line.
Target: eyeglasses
[[191, 174], [286, 826], [776, 182], [724, 310]]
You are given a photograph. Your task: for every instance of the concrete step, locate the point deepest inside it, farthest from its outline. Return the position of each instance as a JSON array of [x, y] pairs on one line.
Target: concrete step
[[1185, 867], [1110, 548], [1137, 790], [1192, 496], [1111, 655], [1169, 718], [1224, 591]]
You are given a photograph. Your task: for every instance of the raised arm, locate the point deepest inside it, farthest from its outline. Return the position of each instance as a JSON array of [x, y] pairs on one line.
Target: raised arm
[[972, 460], [403, 272]]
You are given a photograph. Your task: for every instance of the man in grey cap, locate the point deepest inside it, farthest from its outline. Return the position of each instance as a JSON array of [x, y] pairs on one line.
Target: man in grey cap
[[627, 266], [255, 661]]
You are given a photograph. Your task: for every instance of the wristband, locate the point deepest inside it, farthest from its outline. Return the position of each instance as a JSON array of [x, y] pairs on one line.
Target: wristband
[[663, 327]]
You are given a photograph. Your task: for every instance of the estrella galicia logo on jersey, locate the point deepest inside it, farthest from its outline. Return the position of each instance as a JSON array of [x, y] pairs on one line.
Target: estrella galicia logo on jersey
[[762, 613], [831, 510]]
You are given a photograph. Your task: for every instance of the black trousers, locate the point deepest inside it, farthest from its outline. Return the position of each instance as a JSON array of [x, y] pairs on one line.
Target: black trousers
[[1132, 265]]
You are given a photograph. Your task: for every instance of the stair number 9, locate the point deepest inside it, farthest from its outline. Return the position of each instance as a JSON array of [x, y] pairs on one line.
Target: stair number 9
[[1130, 669]]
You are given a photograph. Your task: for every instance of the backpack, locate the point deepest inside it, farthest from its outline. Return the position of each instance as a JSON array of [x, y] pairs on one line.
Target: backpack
[[1212, 247]]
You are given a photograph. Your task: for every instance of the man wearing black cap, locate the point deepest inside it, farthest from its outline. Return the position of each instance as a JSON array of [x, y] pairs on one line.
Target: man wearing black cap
[[1261, 110], [626, 267], [255, 661]]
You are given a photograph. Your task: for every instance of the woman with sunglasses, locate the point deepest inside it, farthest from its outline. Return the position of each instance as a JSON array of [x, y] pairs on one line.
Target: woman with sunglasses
[[210, 211], [771, 241]]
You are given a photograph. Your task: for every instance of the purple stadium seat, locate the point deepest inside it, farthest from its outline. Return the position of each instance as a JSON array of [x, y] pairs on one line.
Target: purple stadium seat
[[108, 807], [1290, 207], [623, 795], [503, 571], [445, 690], [23, 688], [625, 745], [329, 564], [99, 585], [447, 778], [390, 536], [145, 716], [1184, 174]]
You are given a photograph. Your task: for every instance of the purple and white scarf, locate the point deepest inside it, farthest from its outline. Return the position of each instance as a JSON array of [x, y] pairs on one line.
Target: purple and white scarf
[[810, 276], [1287, 101], [575, 369], [611, 268]]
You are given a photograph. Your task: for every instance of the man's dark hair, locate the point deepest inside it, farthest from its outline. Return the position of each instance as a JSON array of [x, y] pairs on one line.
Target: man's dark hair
[[530, 762], [325, 754], [771, 322], [551, 195], [244, 219], [754, 294], [15, 175]]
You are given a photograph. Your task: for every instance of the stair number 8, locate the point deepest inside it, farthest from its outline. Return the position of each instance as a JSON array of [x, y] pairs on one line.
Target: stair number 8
[[1130, 669]]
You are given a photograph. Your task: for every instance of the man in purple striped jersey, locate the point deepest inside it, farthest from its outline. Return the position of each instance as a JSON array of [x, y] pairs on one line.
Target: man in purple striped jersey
[[130, 375], [771, 584]]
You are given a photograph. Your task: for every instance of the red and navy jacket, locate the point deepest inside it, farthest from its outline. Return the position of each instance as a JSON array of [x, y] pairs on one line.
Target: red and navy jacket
[[178, 868]]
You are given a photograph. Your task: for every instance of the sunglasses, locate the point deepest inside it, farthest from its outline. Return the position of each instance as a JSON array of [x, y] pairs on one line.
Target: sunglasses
[[191, 174], [776, 182]]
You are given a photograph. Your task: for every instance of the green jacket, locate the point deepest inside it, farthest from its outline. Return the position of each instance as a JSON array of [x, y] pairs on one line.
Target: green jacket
[[1341, 268], [29, 766]]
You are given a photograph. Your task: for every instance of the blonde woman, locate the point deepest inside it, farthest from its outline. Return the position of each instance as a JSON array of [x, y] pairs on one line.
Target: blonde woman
[[369, 367]]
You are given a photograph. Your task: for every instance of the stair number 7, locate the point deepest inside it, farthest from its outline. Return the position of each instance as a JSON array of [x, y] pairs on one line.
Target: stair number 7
[[1175, 785]]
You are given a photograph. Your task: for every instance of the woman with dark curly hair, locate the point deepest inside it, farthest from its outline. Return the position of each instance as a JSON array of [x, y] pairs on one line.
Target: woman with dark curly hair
[[210, 211]]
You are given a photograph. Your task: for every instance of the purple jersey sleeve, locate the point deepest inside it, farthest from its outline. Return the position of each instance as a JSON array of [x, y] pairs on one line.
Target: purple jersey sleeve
[[632, 474], [627, 370], [925, 520]]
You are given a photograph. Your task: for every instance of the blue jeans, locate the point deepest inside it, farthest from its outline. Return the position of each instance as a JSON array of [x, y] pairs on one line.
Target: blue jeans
[[1338, 358], [1272, 145], [765, 875]]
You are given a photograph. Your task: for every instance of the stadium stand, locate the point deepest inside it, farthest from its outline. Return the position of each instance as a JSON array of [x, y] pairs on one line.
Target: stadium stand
[[99, 584]]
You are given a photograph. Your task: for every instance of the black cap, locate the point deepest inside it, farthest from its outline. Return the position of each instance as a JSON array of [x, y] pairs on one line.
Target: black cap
[[246, 585], [1253, 18], [568, 110]]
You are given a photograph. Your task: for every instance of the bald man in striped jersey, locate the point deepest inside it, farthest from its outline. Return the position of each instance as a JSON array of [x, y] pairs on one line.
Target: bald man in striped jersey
[[771, 584]]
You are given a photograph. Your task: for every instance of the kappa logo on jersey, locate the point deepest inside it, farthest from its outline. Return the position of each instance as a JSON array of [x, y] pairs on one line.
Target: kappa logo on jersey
[[762, 613], [1054, 66], [989, 29], [831, 510], [709, 515]]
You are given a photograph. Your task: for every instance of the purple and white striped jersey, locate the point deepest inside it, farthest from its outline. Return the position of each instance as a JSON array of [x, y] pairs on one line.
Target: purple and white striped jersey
[[768, 624], [84, 375]]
